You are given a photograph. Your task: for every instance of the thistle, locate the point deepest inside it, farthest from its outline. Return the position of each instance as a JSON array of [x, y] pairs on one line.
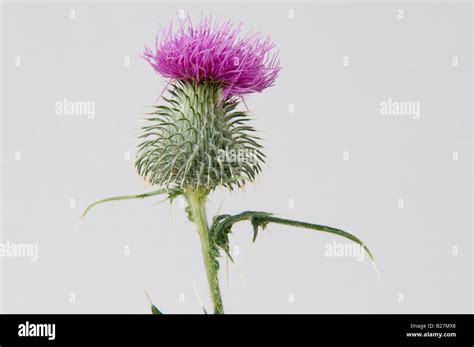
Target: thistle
[[186, 142]]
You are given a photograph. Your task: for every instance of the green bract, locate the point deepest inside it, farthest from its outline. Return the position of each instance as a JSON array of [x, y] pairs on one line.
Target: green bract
[[198, 140]]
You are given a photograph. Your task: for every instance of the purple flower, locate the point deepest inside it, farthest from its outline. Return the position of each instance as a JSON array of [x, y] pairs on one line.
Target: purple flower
[[214, 51]]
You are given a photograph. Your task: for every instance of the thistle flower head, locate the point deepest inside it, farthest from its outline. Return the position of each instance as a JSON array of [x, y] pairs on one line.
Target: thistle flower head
[[215, 51], [196, 140]]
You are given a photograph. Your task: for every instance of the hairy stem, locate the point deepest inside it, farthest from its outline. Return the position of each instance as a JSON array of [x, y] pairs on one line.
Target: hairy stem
[[196, 199]]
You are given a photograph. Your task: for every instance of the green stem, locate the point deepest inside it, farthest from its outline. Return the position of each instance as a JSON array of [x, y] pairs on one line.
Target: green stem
[[196, 199]]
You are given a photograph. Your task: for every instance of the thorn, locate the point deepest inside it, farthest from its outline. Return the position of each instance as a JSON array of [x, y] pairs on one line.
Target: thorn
[[164, 90], [160, 202], [199, 298], [227, 269], [245, 104], [375, 268], [220, 206], [78, 225], [148, 297], [242, 278], [154, 309]]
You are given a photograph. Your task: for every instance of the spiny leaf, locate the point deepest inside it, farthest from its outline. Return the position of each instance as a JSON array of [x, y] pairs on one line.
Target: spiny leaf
[[222, 225], [173, 193], [125, 197]]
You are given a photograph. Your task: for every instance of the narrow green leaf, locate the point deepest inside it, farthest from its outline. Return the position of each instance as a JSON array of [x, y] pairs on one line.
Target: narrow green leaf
[[124, 197]]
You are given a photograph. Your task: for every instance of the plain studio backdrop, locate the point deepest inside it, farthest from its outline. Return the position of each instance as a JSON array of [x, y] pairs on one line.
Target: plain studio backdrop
[[400, 182]]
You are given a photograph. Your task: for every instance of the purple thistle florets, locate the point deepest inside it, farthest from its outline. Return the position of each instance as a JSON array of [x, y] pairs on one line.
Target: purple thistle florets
[[214, 51]]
